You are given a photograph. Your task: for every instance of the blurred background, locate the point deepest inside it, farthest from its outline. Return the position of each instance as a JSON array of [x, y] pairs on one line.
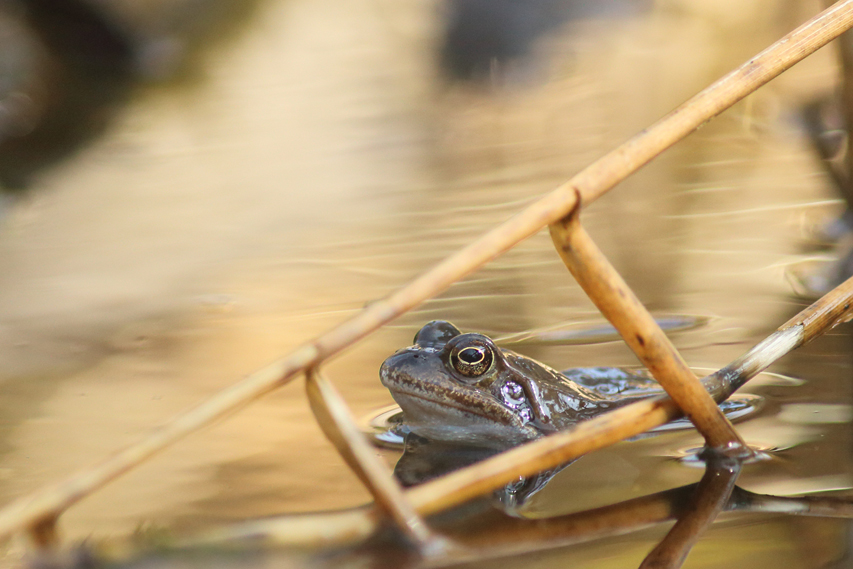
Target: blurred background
[[190, 188]]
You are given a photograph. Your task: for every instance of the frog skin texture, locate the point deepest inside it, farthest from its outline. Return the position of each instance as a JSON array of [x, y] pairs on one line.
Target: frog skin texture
[[462, 388]]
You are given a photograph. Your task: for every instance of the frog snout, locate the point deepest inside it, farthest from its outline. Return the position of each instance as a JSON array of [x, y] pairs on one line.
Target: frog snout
[[410, 365], [395, 364]]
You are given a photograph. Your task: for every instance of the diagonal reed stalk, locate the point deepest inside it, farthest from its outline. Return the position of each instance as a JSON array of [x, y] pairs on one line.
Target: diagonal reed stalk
[[590, 183], [340, 428], [462, 485], [630, 420], [616, 301]]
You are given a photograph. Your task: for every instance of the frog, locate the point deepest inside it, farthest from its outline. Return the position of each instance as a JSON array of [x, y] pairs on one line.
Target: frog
[[464, 389]]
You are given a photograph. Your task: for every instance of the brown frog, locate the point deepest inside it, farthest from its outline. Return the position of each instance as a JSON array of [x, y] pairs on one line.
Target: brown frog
[[462, 388]]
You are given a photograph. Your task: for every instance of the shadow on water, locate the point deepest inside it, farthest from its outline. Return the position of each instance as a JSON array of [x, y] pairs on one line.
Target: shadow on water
[[68, 68], [495, 40], [75, 71]]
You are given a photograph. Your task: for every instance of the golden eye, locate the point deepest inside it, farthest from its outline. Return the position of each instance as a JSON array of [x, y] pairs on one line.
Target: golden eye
[[471, 361]]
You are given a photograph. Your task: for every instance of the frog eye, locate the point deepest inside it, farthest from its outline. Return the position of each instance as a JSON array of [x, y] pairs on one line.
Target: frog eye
[[471, 361]]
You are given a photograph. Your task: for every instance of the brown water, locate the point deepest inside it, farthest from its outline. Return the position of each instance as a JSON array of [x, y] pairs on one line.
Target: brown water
[[321, 162]]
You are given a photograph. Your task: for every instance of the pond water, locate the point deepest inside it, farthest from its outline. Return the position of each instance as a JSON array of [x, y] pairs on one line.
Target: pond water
[[317, 159]]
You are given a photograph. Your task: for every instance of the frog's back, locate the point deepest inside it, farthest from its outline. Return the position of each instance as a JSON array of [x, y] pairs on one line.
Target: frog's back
[[615, 383]]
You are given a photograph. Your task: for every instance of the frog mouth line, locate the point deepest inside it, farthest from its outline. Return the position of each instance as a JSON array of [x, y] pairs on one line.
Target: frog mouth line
[[497, 413], [450, 404]]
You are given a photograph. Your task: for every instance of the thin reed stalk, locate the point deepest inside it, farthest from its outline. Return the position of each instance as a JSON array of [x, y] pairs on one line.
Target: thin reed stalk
[[339, 426], [618, 303], [630, 420]]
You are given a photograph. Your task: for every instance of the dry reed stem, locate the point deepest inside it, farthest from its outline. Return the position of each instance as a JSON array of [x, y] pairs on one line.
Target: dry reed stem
[[711, 497], [508, 536], [312, 530], [44, 535], [618, 303], [743, 500], [592, 182], [515, 536], [826, 313], [630, 420], [512, 536], [340, 428], [694, 507], [548, 452]]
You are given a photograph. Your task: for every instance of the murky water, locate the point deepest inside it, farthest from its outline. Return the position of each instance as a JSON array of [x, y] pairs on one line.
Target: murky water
[[319, 160]]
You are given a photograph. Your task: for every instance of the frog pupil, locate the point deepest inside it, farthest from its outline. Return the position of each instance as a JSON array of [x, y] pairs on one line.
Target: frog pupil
[[471, 356]]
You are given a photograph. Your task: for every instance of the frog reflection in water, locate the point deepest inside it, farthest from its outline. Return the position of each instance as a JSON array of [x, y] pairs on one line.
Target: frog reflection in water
[[463, 389]]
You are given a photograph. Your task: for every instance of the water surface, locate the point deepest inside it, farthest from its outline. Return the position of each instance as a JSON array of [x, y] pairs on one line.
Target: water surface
[[320, 160]]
